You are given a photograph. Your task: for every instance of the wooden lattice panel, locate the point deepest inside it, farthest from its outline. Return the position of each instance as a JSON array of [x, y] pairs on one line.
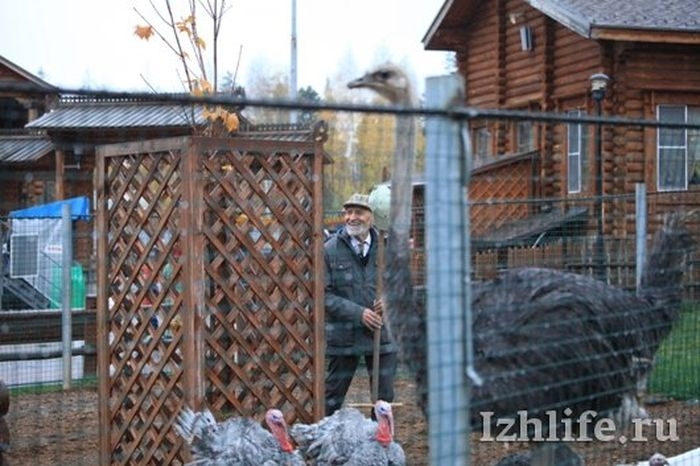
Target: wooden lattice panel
[[209, 287], [259, 269], [494, 195], [144, 288]]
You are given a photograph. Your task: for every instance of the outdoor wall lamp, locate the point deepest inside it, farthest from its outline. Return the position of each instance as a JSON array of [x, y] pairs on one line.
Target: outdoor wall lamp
[[599, 84]]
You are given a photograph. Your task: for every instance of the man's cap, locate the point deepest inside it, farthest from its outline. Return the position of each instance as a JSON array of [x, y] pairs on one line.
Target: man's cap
[[358, 200]]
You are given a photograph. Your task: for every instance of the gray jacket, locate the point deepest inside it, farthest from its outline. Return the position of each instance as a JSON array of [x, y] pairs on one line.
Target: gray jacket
[[350, 287]]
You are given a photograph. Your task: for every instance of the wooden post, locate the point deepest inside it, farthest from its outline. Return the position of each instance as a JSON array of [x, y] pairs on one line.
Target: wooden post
[[60, 174], [378, 332]]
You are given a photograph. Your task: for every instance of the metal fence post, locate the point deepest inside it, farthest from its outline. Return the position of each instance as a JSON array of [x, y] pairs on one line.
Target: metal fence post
[[447, 227], [66, 263], [640, 200]]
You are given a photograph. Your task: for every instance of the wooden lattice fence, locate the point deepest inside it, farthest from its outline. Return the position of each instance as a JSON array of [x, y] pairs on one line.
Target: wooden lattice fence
[[209, 285]]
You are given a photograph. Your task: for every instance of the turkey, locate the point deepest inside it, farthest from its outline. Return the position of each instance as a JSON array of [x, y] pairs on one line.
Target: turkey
[[563, 456], [523, 459], [349, 438], [542, 339], [237, 441], [657, 459]]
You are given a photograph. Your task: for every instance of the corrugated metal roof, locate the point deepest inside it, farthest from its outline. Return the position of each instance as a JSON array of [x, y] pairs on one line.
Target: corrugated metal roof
[[24, 148], [317, 131], [118, 114]]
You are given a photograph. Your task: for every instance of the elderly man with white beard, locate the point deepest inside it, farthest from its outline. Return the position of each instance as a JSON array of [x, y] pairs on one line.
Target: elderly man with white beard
[[353, 310]]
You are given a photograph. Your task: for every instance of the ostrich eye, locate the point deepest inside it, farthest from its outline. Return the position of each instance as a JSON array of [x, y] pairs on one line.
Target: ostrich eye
[[385, 75]]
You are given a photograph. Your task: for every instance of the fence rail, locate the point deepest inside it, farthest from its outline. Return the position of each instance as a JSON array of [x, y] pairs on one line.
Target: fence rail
[[521, 213], [34, 327]]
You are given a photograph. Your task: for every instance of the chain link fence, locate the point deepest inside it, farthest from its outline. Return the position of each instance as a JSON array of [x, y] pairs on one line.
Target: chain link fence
[[541, 311]]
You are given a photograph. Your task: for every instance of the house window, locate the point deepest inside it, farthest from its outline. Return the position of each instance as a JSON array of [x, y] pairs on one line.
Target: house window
[[483, 143], [49, 192], [677, 149], [577, 150], [525, 136]]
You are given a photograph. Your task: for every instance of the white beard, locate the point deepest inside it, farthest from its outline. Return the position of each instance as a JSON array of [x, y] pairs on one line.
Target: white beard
[[357, 230]]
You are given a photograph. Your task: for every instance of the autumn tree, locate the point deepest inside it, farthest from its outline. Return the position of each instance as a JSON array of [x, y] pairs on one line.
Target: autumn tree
[[360, 143], [308, 95], [265, 83], [185, 36]]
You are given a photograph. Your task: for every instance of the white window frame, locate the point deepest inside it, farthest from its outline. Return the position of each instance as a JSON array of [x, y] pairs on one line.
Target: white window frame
[[525, 136], [660, 186], [482, 137], [577, 155]]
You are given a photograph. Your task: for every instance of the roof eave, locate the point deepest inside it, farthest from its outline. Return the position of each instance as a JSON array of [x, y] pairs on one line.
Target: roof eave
[[435, 26], [27, 75], [645, 35], [576, 22]]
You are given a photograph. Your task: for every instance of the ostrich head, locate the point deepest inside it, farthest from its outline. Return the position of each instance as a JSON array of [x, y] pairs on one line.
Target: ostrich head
[[387, 80], [278, 426], [657, 459]]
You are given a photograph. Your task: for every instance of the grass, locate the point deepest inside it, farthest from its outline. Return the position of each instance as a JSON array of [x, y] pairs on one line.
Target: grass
[[676, 371], [36, 389]]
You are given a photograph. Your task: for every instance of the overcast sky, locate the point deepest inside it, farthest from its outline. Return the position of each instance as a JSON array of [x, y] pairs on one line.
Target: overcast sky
[[91, 43]]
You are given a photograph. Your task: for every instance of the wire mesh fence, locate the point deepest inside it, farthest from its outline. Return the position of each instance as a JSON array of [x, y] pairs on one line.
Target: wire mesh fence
[[543, 306]]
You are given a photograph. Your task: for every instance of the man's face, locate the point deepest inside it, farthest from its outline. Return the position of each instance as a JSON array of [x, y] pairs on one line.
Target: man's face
[[357, 220]]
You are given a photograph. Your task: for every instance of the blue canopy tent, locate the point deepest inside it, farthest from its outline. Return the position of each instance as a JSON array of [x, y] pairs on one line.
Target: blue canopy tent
[[36, 249], [79, 209]]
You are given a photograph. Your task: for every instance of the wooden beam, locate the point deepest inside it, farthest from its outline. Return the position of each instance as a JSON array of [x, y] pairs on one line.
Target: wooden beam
[[60, 173], [642, 35]]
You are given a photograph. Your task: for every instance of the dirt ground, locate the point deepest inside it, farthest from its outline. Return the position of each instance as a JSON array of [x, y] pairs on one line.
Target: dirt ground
[[61, 429]]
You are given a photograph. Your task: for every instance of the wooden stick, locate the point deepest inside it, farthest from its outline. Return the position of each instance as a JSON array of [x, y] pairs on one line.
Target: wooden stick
[[378, 332], [369, 405]]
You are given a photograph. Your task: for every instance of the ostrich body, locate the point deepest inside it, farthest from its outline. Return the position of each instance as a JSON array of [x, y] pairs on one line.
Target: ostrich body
[[543, 339], [349, 438], [390, 82], [237, 441]]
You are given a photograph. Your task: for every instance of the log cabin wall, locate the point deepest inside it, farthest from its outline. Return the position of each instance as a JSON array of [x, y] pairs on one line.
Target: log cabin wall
[[651, 75], [523, 69], [480, 66], [490, 76], [554, 75]]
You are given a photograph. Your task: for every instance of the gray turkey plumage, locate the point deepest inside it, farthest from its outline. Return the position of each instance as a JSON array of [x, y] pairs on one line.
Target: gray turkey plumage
[[543, 339], [237, 441], [349, 438], [657, 459], [563, 456]]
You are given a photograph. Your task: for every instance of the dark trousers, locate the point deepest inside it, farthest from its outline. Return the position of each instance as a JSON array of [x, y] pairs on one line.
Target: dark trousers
[[341, 370]]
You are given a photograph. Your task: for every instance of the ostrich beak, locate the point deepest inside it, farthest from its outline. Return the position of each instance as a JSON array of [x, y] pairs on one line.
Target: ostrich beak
[[359, 82]]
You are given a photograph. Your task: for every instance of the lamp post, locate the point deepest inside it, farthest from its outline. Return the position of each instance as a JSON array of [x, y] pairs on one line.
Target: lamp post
[[599, 84]]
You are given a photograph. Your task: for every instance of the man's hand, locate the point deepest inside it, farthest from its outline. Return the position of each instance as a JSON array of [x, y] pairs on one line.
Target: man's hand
[[379, 306], [371, 319]]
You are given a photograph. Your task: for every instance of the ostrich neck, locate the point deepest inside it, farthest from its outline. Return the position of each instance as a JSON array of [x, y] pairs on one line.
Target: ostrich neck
[[401, 179]]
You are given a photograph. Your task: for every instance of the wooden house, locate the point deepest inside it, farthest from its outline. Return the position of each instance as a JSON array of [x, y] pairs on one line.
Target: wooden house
[[540, 55], [19, 147], [49, 141]]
